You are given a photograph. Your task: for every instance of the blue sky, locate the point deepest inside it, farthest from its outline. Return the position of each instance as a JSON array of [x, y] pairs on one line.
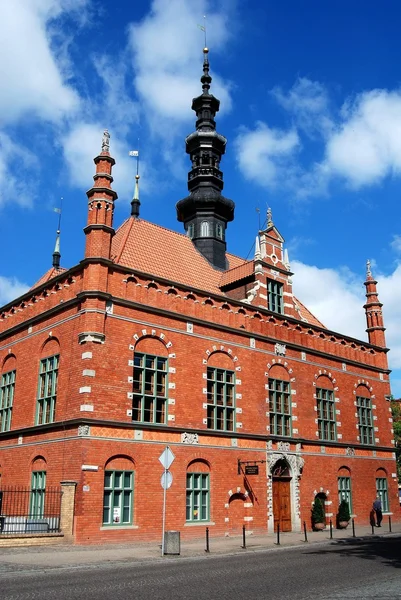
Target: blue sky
[[310, 103]]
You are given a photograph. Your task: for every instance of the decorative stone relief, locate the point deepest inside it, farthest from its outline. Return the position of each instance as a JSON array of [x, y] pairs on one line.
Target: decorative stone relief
[[283, 446], [280, 349], [189, 438], [83, 430], [350, 451]]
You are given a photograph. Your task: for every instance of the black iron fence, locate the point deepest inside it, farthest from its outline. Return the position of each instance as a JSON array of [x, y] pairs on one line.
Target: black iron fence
[[27, 511]]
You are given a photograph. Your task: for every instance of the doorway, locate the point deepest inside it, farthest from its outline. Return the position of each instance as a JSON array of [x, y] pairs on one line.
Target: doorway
[[282, 496]]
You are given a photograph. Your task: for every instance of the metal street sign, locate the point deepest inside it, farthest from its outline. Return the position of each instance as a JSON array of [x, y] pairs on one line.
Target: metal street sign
[[251, 470], [166, 458], [166, 480]]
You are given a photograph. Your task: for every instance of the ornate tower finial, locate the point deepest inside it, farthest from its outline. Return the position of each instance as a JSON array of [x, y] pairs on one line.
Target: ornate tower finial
[[205, 212], [373, 310], [56, 253], [269, 218], [135, 203], [106, 141]]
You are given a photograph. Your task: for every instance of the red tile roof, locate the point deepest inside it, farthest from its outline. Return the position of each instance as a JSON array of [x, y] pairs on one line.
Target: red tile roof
[[307, 315], [237, 273], [165, 253], [49, 275]]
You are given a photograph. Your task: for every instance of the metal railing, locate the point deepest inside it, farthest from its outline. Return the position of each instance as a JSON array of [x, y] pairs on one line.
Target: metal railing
[[27, 511]]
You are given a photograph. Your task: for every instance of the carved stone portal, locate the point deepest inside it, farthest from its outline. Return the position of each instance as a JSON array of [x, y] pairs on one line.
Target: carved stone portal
[[295, 463]]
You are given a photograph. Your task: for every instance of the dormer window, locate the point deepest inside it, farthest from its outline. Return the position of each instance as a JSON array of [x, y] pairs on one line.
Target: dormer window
[[205, 229], [275, 296]]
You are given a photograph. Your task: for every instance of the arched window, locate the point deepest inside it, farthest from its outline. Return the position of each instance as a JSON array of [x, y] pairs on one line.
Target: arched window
[[326, 413], [191, 230], [344, 486], [198, 492], [7, 387], [365, 416], [118, 491], [205, 229], [279, 401], [219, 231], [382, 489], [149, 403], [220, 392], [47, 387]]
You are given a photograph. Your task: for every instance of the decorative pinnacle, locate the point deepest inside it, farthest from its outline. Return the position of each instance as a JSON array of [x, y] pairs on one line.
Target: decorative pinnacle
[[368, 269], [269, 218], [106, 141], [206, 80]]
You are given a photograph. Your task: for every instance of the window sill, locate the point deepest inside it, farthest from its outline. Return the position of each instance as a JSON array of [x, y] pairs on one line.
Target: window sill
[[117, 527], [198, 523], [387, 514]]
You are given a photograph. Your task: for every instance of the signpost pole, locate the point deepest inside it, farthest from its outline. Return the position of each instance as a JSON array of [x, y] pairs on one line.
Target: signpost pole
[[164, 509]]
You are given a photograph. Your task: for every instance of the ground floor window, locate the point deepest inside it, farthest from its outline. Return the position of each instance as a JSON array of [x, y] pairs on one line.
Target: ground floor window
[[344, 491], [382, 492], [118, 497], [197, 497], [38, 492]]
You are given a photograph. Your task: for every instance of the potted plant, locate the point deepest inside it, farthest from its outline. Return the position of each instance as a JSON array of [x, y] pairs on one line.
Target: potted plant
[[318, 515], [343, 515]]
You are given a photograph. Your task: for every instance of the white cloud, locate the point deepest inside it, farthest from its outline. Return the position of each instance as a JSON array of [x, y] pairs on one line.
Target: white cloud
[[396, 243], [11, 288], [32, 82], [166, 48], [14, 159], [323, 291], [266, 154], [367, 145]]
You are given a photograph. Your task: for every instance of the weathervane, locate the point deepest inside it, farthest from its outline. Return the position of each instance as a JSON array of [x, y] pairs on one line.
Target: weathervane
[[203, 28]]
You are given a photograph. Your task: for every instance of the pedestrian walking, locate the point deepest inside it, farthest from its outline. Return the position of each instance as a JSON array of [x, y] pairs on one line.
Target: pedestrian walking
[[377, 507]]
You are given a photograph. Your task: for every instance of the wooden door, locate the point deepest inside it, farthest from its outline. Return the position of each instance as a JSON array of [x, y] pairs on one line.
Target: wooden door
[[282, 504]]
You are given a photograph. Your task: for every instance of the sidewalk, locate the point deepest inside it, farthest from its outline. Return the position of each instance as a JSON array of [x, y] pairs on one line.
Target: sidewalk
[[53, 557]]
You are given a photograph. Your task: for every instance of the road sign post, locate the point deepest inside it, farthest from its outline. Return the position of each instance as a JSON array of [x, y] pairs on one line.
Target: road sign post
[[166, 458]]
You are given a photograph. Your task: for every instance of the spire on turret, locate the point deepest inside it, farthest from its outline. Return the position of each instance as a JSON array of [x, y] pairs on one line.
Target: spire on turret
[[135, 203], [205, 212], [373, 310], [56, 253], [99, 229]]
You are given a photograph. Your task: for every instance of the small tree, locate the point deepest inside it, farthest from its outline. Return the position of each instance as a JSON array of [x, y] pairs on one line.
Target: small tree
[[343, 512], [318, 515]]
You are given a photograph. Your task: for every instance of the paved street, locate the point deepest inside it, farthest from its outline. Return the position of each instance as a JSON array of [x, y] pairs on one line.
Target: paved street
[[366, 569]]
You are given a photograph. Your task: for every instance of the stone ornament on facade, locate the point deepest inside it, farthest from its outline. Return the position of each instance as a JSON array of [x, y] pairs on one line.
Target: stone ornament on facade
[[350, 451], [189, 438], [280, 349], [295, 462], [84, 430], [106, 141], [283, 446]]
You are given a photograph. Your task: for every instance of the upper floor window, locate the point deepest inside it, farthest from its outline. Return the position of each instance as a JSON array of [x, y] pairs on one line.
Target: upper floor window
[[326, 414], [280, 407], [275, 296], [191, 230], [7, 386], [365, 420], [205, 231], [150, 388], [47, 391], [219, 231], [220, 399]]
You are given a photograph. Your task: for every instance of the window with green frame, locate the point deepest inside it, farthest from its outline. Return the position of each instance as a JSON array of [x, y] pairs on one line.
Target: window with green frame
[[365, 420], [149, 404], [326, 416], [275, 296], [7, 386], [344, 491], [280, 407], [220, 399], [382, 492], [47, 390], [38, 494], [198, 497], [118, 497]]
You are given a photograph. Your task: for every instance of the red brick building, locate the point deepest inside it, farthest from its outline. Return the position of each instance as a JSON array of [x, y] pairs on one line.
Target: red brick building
[[105, 364]]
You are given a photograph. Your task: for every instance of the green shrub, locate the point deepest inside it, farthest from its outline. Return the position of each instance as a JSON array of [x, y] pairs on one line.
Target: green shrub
[[318, 514], [343, 511]]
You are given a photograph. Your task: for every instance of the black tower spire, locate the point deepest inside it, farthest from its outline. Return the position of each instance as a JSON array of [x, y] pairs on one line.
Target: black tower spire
[[205, 212]]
